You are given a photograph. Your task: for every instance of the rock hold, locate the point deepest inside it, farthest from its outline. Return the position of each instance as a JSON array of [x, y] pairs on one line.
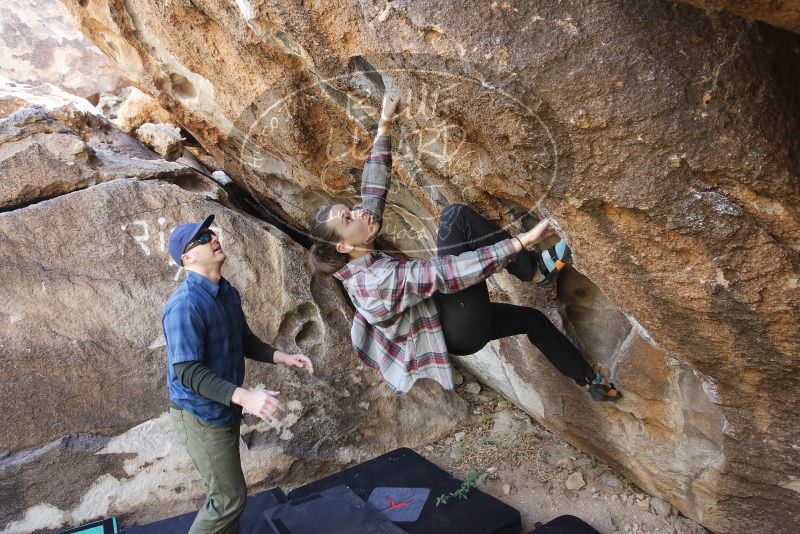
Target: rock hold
[[165, 139], [136, 109]]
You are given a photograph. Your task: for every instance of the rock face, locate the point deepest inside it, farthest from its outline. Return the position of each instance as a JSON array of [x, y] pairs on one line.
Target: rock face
[[668, 430], [661, 140], [86, 275], [781, 14], [38, 43]]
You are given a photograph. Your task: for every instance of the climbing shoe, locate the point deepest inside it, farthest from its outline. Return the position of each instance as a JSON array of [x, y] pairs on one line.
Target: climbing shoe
[[551, 261], [602, 391]]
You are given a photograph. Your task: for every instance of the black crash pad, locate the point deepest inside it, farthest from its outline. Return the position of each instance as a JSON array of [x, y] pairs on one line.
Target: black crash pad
[[334, 511], [251, 522], [403, 468], [565, 524]]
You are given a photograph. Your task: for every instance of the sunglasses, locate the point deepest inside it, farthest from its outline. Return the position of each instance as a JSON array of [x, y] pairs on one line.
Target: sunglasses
[[202, 239]]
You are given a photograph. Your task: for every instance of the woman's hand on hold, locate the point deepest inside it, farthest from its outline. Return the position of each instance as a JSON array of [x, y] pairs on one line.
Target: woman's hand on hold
[[535, 234], [387, 113], [362, 214], [390, 103]]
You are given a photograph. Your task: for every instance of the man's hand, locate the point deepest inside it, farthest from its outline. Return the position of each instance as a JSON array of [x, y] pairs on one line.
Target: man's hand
[[301, 361], [262, 403]]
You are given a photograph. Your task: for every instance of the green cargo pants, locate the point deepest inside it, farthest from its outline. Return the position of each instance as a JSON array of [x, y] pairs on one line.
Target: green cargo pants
[[215, 453]]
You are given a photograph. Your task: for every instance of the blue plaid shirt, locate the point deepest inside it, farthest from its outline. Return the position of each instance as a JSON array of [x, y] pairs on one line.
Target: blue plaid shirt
[[204, 321]]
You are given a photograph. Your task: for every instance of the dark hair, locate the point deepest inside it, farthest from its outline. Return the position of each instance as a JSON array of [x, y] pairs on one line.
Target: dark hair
[[323, 258]]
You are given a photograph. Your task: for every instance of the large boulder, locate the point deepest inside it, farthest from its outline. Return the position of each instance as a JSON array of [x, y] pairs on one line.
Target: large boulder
[[661, 140], [85, 277], [48, 153]]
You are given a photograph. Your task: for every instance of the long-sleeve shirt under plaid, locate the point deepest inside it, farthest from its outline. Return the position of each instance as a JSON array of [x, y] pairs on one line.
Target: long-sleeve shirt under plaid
[[396, 327]]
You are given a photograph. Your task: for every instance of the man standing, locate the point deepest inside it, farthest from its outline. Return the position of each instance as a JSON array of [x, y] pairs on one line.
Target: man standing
[[207, 340]]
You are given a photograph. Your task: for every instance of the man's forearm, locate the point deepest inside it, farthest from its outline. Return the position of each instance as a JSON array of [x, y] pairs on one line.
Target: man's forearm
[[199, 378], [257, 350]]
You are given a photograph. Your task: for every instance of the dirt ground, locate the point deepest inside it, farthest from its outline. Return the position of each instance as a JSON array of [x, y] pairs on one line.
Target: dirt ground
[[526, 466]]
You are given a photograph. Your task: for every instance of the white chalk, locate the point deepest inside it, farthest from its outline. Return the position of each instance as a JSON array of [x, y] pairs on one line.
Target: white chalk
[[221, 178]]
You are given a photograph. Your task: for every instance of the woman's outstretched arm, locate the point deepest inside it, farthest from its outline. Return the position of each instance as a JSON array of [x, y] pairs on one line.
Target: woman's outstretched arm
[[385, 291], [377, 175]]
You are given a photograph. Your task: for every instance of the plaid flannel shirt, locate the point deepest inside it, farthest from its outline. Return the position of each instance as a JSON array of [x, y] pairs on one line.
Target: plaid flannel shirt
[[396, 328]]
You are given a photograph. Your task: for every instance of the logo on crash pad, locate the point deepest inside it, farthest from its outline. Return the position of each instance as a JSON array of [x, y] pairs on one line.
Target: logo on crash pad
[[399, 504]]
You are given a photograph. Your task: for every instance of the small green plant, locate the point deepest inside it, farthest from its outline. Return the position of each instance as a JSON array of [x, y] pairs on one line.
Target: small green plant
[[628, 483], [486, 440], [473, 478], [488, 419], [503, 403], [593, 462]]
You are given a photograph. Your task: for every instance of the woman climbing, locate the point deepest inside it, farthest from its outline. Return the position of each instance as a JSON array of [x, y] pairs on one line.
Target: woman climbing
[[410, 314]]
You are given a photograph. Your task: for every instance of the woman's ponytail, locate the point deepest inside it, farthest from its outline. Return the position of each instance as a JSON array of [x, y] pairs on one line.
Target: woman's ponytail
[[323, 258]]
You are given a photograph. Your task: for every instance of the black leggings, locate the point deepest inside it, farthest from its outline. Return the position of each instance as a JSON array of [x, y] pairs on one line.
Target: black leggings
[[470, 320]]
